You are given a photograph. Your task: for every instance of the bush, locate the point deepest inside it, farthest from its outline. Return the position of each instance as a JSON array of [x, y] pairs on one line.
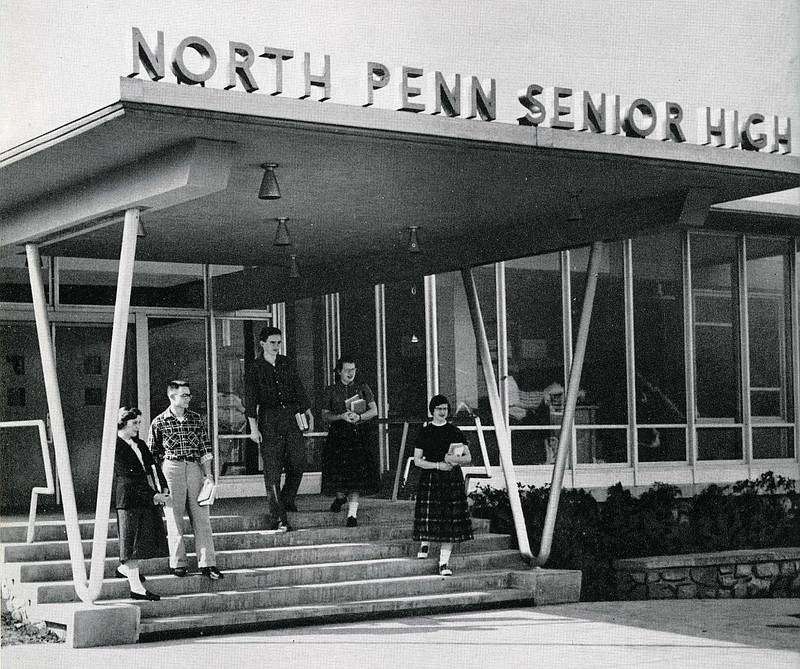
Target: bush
[[764, 513]]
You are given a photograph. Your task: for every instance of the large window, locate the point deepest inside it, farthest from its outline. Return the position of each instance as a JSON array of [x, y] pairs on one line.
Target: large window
[[535, 383], [15, 283], [769, 330], [659, 348], [604, 385]]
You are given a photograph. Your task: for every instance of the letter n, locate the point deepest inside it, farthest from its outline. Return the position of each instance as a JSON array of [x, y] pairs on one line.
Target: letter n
[[142, 53]]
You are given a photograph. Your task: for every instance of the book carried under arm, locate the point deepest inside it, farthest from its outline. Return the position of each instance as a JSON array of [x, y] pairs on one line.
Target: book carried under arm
[[208, 493], [355, 404], [457, 449], [302, 420]]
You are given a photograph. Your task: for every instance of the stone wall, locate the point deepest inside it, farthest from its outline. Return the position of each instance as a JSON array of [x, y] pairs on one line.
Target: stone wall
[[766, 572]]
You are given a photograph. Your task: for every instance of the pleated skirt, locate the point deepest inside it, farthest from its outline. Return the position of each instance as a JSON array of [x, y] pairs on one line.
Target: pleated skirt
[[441, 513]]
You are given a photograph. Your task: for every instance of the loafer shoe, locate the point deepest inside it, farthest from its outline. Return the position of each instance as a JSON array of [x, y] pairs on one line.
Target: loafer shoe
[[213, 573], [423, 553], [337, 504], [180, 572], [119, 574], [148, 596], [282, 526], [444, 570], [352, 521]]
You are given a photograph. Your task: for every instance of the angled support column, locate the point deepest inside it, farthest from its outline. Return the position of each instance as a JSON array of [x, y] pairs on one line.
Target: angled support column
[[87, 592], [116, 365], [500, 427], [565, 436], [53, 394]]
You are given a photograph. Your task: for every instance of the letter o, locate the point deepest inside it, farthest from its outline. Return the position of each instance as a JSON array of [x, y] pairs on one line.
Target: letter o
[[646, 108], [182, 72]]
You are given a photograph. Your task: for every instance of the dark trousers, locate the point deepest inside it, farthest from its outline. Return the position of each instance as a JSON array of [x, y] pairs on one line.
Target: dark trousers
[[282, 449]]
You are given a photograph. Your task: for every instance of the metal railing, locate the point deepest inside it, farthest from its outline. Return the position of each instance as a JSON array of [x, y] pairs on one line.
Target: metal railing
[[50, 488]]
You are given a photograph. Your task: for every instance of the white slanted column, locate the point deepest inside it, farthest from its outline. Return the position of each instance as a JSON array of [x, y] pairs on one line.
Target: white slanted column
[[60, 448], [500, 427], [113, 392], [565, 437]]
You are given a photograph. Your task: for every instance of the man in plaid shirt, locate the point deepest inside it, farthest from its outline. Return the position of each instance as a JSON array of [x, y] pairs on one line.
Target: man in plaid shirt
[[179, 441]]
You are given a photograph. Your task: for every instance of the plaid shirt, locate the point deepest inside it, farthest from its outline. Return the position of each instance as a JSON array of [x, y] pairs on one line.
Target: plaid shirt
[[174, 439]]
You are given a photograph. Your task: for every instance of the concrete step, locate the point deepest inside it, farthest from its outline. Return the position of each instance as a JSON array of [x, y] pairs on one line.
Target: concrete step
[[239, 540], [370, 511], [152, 629], [366, 547], [380, 563]]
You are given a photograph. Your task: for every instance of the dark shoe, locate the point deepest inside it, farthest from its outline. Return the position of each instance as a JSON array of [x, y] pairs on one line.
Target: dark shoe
[[337, 504], [444, 570], [352, 521], [119, 574], [180, 572], [149, 596], [290, 506], [213, 573], [282, 526], [423, 553]]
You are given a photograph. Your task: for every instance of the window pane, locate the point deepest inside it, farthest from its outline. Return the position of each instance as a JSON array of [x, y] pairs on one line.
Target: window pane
[[604, 385], [658, 329], [15, 283], [155, 284], [177, 351], [773, 442], [715, 295], [535, 341], [770, 328], [719, 444], [460, 371], [534, 447], [357, 334], [237, 345], [661, 444]]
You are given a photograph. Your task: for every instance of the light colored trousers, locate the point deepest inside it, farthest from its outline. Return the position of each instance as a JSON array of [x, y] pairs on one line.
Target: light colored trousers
[[185, 479]]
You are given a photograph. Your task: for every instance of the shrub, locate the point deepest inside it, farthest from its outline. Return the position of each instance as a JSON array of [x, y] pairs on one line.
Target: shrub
[[589, 536]]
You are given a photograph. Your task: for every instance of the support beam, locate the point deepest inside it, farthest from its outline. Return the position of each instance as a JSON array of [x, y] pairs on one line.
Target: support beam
[[565, 436], [59, 433], [116, 366], [501, 429]]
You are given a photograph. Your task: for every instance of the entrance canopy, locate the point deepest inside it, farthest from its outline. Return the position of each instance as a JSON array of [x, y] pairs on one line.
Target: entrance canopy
[[353, 181]]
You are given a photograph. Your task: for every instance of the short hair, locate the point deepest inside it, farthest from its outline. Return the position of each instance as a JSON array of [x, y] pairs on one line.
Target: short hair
[[438, 400], [342, 360], [175, 384], [127, 414], [268, 331]]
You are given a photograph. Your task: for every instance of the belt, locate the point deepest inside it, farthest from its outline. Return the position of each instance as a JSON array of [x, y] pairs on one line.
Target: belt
[[183, 458]]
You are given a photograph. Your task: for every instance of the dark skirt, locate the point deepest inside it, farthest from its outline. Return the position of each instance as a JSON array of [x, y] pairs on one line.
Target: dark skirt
[[348, 460], [141, 534], [441, 513]]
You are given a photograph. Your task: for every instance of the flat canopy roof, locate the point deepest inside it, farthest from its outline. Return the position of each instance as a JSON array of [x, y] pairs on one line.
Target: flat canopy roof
[[353, 180]]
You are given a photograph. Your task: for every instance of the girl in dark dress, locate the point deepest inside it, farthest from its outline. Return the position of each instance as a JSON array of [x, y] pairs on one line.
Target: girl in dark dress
[[140, 488], [347, 463], [441, 513]]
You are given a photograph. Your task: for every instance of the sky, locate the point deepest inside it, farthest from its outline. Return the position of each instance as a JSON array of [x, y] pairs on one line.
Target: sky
[[62, 60]]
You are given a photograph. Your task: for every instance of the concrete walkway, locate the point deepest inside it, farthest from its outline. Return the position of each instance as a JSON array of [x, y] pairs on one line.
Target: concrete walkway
[[706, 634]]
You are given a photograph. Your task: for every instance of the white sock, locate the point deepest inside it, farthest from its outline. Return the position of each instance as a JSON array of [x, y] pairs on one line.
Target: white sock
[[133, 579], [444, 554], [352, 508]]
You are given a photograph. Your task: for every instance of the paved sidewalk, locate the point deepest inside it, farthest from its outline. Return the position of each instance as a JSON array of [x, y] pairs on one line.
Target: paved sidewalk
[[706, 634]]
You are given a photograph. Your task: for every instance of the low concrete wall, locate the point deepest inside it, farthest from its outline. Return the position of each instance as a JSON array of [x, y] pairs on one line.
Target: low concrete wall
[[766, 572]]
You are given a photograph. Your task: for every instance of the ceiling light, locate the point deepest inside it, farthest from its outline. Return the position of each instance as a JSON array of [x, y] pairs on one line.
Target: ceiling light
[[575, 213], [282, 237], [294, 270], [269, 184], [413, 240]]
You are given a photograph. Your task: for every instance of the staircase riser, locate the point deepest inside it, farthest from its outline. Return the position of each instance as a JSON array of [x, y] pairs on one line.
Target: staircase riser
[[269, 557], [298, 596], [222, 523], [154, 629], [40, 552], [286, 576]]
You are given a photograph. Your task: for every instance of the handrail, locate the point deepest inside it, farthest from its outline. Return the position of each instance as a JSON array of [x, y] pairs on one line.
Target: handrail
[[500, 426], [50, 488]]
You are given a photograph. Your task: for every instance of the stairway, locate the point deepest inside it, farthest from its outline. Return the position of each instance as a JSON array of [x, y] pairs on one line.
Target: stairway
[[322, 571]]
